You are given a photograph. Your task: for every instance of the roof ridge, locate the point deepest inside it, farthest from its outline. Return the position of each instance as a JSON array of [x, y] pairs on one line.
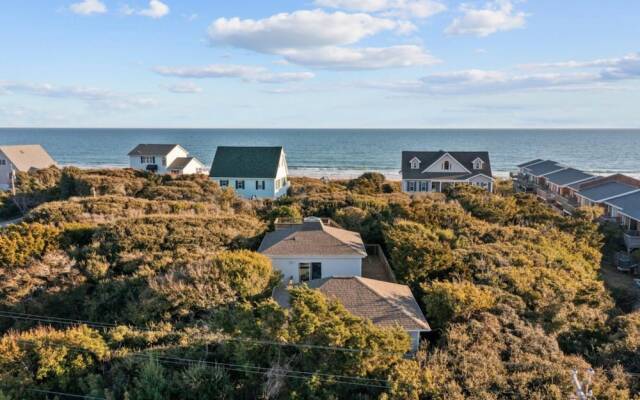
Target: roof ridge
[[395, 304]]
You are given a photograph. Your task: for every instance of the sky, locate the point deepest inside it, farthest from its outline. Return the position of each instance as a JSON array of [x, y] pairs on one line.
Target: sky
[[320, 63]]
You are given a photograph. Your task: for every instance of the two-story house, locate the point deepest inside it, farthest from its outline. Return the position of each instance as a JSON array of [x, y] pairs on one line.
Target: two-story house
[[433, 171], [21, 158], [164, 159], [253, 172]]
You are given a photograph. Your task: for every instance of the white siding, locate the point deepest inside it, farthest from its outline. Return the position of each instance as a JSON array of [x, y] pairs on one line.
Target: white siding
[[161, 161], [347, 266], [482, 181], [415, 340], [455, 166], [5, 172]]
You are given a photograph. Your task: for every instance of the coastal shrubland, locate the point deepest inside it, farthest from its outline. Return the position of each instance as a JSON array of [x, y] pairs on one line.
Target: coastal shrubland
[[176, 302]]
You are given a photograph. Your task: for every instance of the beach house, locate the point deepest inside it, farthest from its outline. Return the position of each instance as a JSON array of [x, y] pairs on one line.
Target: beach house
[[21, 158], [253, 172], [433, 171], [626, 210], [386, 304], [164, 159]]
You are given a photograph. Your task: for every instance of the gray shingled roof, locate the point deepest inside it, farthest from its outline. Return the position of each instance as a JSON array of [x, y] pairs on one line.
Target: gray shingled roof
[[385, 304], [537, 160], [312, 238], [152, 149], [544, 167], [629, 203], [246, 162], [606, 190], [427, 158], [567, 176], [28, 156], [577, 185], [180, 162]]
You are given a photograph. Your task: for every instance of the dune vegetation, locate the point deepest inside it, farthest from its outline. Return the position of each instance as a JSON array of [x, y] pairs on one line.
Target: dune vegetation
[[125, 285]]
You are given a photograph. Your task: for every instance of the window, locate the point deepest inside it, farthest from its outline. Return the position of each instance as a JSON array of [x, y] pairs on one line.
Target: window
[[303, 271], [415, 163], [316, 270], [308, 271], [147, 160], [446, 165], [239, 184], [3, 161], [424, 186], [224, 183], [411, 186], [477, 163], [260, 185], [164, 161]]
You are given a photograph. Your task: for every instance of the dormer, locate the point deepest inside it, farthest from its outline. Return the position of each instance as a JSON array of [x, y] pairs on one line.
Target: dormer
[[415, 163], [478, 163]]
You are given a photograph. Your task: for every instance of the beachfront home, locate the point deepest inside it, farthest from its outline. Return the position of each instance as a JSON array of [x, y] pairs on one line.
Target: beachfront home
[[253, 172], [21, 158], [433, 171], [386, 304], [164, 159], [626, 210], [536, 171], [314, 249]]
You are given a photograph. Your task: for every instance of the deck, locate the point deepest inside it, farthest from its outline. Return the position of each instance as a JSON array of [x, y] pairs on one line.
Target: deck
[[376, 266], [632, 239]]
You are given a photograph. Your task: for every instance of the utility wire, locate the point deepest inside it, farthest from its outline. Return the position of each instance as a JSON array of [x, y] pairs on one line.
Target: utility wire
[[77, 396]]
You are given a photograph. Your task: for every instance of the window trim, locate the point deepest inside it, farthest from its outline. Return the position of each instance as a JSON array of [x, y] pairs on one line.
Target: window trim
[[306, 267], [240, 184], [223, 183], [446, 165]]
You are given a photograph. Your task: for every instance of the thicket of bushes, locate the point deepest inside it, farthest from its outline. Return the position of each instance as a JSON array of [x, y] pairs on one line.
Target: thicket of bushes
[[510, 288]]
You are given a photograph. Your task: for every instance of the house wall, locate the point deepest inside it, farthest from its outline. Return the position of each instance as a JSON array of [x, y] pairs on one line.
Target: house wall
[[161, 161], [194, 167], [331, 266], [482, 181], [5, 172], [283, 173], [250, 190], [415, 340], [432, 186], [455, 165]]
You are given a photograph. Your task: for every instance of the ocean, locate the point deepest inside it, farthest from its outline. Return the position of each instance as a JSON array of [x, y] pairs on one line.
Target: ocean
[[342, 153]]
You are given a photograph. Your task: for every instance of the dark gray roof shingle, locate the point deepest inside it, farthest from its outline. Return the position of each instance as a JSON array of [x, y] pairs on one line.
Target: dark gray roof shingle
[[543, 168], [606, 191], [180, 162], [152, 149], [566, 176], [537, 160], [427, 158], [246, 162], [629, 204], [385, 304]]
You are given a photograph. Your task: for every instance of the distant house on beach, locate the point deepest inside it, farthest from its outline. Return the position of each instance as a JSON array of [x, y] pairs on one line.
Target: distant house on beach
[[164, 159], [433, 171], [21, 158], [385, 304], [253, 172]]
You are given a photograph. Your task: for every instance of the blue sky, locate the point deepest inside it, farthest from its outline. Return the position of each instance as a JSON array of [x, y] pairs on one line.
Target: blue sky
[[320, 63]]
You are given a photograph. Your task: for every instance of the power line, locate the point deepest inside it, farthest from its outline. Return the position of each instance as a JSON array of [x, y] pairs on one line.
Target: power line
[[77, 396], [306, 375], [105, 325]]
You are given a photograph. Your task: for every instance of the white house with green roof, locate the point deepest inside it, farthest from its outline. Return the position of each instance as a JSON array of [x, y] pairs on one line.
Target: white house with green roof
[[253, 172]]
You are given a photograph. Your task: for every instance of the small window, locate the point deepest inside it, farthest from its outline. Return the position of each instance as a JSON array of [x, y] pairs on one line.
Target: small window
[[303, 271], [164, 161], [446, 165], [316, 270], [224, 183], [3, 161], [147, 160], [260, 185], [239, 184], [415, 163], [477, 163]]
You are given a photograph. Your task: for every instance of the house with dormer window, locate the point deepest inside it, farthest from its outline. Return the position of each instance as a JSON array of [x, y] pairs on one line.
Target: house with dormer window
[[164, 159], [253, 172], [433, 171]]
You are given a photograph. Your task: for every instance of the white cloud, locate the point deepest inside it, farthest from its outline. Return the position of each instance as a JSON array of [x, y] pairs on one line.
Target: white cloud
[[92, 96], [88, 7], [401, 8], [246, 73], [361, 58], [185, 88], [156, 9], [299, 29], [318, 39], [498, 15], [601, 74]]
